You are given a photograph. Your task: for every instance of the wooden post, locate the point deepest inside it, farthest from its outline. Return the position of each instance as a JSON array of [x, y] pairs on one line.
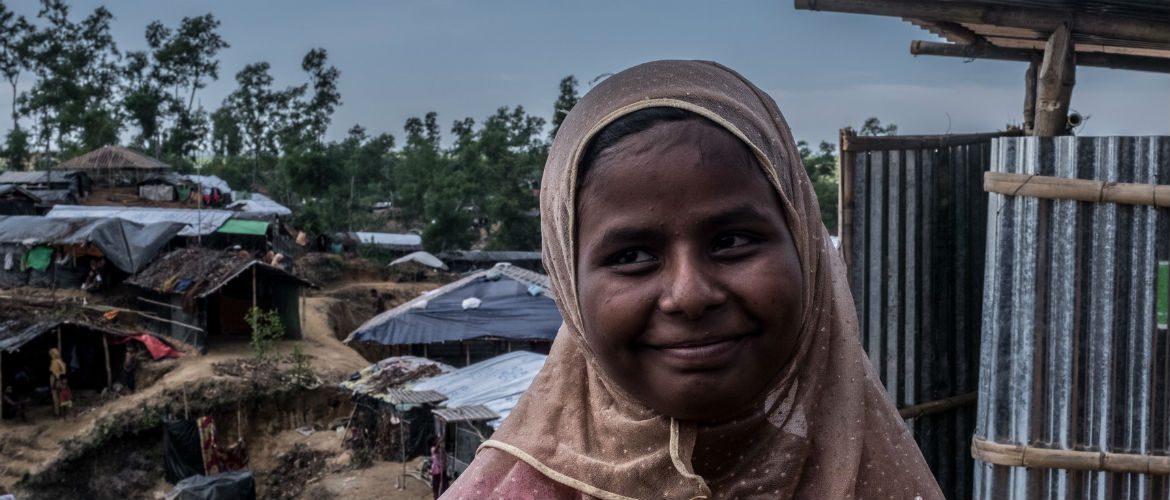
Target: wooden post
[[60, 350], [845, 196], [253, 285], [1030, 96], [1055, 83], [109, 370]]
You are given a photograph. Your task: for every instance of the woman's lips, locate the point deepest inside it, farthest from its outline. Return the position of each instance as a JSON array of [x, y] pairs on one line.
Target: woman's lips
[[704, 354]]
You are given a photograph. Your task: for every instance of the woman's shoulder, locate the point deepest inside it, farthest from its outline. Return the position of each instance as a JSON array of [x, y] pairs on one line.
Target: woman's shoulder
[[496, 474]]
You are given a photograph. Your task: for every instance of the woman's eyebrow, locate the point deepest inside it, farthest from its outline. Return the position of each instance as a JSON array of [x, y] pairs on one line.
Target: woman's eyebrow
[[736, 215], [628, 233]]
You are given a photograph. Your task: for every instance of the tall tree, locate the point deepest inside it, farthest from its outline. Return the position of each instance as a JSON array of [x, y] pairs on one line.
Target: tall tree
[[15, 58], [565, 103], [873, 127]]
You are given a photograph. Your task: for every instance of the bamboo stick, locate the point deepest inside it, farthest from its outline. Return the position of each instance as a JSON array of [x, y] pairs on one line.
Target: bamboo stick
[[109, 370], [1060, 188], [157, 303], [938, 406], [1043, 458]]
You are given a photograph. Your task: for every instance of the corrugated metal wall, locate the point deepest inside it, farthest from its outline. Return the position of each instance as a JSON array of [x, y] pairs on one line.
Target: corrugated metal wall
[[1073, 356], [915, 250]]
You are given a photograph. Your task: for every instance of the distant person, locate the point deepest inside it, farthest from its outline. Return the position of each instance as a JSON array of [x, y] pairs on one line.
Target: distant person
[[65, 397], [377, 301], [95, 277], [438, 467], [14, 407], [130, 368], [57, 371]]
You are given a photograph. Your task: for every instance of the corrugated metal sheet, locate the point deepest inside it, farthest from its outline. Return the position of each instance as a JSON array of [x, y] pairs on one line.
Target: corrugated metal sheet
[[199, 222], [915, 271], [465, 414], [1073, 356], [409, 397], [497, 383]]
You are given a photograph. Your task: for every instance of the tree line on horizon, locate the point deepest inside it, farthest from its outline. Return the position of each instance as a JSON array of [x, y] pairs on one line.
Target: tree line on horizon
[[478, 188]]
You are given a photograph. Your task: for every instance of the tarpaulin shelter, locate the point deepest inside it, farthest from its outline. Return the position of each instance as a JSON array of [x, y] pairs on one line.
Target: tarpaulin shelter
[[390, 421], [78, 183], [480, 316], [201, 293], [238, 485], [126, 245], [258, 206], [420, 258], [209, 182], [163, 187], [15, 200], [197, 222], [394, 242]]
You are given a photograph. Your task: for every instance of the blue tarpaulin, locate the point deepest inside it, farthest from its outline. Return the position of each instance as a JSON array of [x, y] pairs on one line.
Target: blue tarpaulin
[[507, 309]]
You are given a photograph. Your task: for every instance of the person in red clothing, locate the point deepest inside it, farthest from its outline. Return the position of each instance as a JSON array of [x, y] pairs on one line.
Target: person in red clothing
[[438, 467]]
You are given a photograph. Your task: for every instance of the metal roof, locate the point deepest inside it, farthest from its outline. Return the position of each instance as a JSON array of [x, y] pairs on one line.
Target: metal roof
[[409, 397], [199, 222], [472, 413], [13, 188], [213, 269], [394, 240], [496, 383], [37, 177], [489, 255], [128, 245]]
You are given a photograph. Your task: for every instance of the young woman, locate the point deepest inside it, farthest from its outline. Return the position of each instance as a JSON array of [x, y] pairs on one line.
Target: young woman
[[710, 345]]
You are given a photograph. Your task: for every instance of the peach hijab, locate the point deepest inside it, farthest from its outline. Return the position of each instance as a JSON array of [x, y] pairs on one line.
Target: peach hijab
[[824, 430]]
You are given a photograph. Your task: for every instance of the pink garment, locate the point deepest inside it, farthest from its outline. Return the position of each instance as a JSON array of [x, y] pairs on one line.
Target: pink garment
[[495, 474], [438, 461]]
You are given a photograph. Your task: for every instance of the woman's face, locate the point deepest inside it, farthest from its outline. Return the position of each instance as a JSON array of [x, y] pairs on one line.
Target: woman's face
[[689, 280]]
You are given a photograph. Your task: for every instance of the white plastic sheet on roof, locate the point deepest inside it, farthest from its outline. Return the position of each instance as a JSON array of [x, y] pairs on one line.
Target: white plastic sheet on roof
[[421, 257], [208, 182], [260, 205], [496, 383], [199, 222], [389, 238]]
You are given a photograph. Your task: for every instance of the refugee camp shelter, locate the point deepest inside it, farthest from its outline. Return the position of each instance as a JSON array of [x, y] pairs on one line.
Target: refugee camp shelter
[[197, 222], [462, 261], [258, 206], [92, 347], [397, 243], [205, 294], [78, 183], [390, 421], [482, 315], [165, 186], [478, 398], [15, 200], [43, 252], [116, 165]]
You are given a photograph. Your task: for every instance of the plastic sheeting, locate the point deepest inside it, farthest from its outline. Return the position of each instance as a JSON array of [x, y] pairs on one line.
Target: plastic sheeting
[[209, 182], [506, 310], [239, 485], [197, 222], [258, 205], [127, 245], [421, 258], [249, 227], [496, 383], [182, 452], [388, 239]]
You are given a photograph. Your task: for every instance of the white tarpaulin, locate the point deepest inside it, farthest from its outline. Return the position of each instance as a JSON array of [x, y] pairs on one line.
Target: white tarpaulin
[[208, 182], [199, 222], [496, 383], [389, 239], [422, 258], [259, 205]]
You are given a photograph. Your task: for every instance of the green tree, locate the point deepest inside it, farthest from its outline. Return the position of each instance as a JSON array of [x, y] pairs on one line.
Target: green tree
[[15, 58], [821, 166], [565, 103], [873, 127]]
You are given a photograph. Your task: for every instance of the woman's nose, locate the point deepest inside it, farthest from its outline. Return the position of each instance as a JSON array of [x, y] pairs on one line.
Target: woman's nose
[[691, 288]]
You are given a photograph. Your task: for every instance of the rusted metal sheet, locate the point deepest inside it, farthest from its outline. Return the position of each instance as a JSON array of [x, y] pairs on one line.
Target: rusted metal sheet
[[914, 247], [1075, 354]]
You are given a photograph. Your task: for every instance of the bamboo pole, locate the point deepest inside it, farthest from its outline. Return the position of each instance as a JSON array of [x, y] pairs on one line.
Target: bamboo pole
[[157, 303], [1061, 188], [845, 196], [1043, 458], [937, 406], [109, 370], [1054, 84], [993, 52]]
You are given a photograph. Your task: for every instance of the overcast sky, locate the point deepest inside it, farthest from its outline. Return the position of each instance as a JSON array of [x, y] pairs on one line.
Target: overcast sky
[[467, 58]]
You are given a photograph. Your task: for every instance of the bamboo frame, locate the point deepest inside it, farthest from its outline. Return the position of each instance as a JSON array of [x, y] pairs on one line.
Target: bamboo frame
[[109, 369], [938, 406], [1061, 188], [1083, 58], [892, 142], [1009, 455], [845, 166]]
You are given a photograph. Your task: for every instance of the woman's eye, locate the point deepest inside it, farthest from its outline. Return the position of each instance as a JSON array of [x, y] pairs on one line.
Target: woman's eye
[[630, 257], [731, 241]]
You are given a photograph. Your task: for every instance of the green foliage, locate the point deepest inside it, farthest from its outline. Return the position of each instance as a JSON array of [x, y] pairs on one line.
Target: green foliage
[[873, 127], [266, 330], [302, 371], [565, 103], [821, 166]]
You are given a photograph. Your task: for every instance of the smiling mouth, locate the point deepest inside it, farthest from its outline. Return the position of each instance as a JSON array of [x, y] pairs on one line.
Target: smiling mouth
[[700, 354]]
